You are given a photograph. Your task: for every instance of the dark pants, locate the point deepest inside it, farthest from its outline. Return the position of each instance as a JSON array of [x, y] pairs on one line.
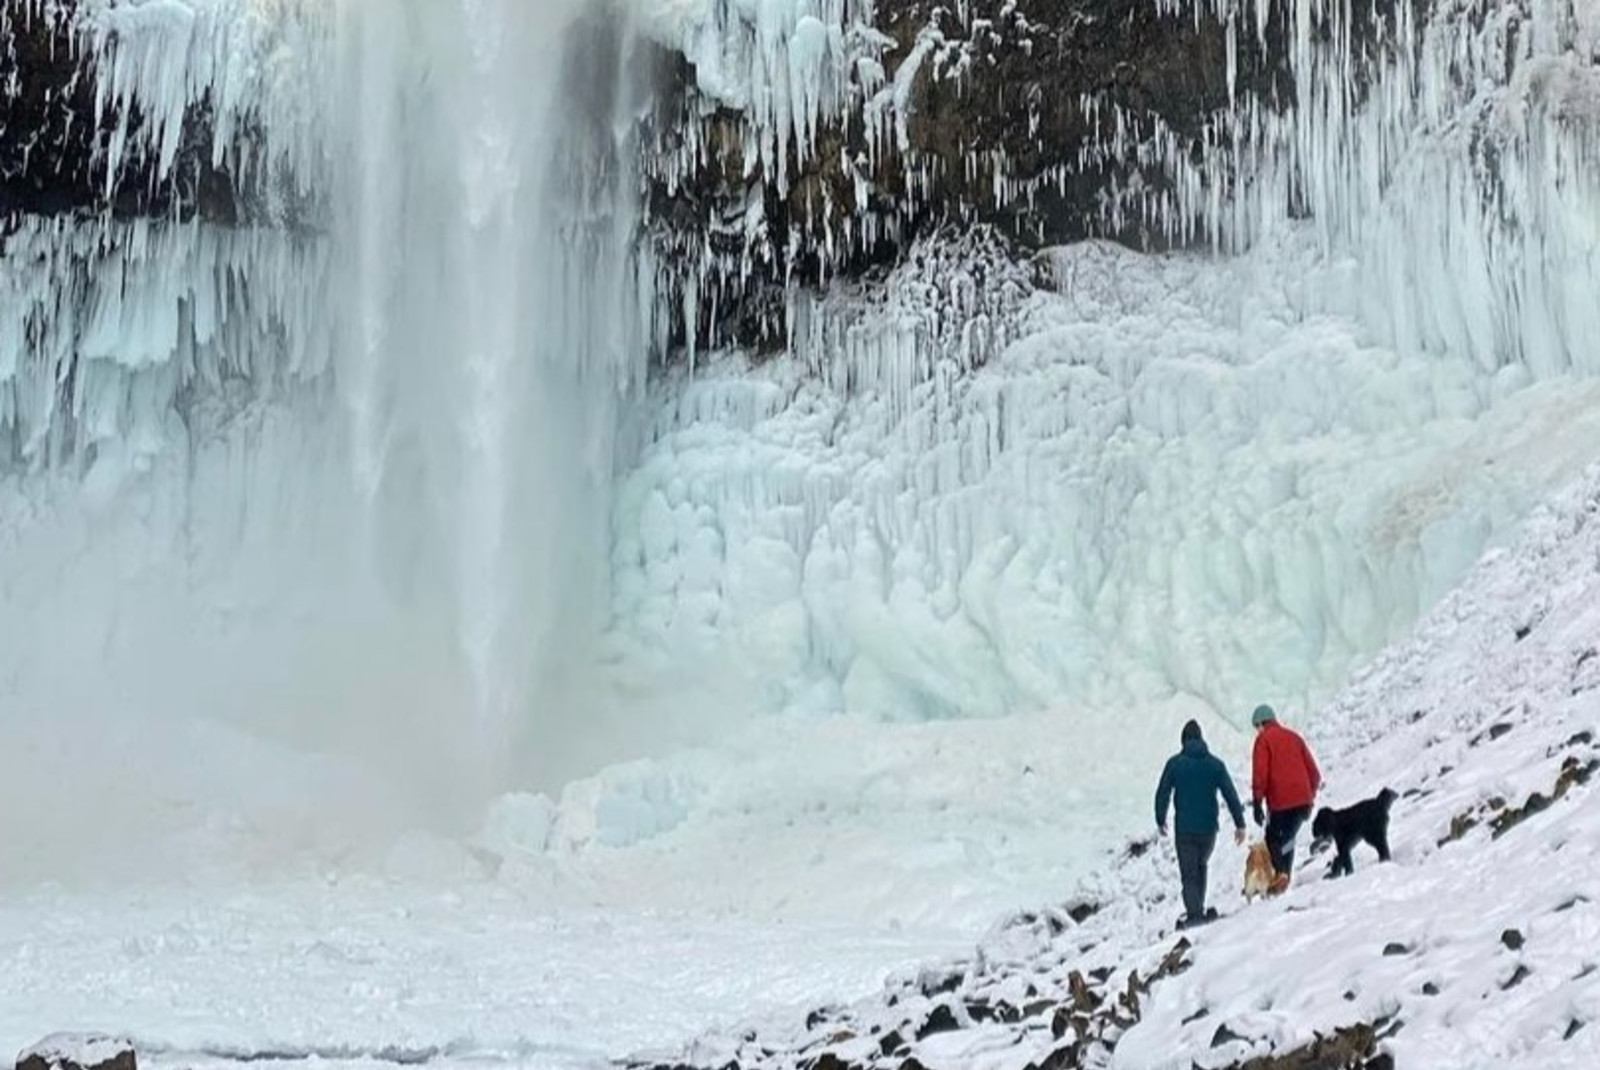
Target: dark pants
[[1194, 852], [1282, 827]]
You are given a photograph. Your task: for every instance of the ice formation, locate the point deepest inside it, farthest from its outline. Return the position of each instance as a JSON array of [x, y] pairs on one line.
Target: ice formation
[[953, 495], [320, 453], [1219, 493]]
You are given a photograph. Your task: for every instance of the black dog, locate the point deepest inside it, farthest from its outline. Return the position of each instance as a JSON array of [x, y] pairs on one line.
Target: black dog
[[1366, 820]]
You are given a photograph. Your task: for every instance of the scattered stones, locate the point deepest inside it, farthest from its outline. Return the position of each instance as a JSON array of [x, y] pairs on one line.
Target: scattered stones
[[1430, 989], [1351, 1048], [1573, 1028], [1396, 949], [1573, 772], [1519, 975], [1512, 939]]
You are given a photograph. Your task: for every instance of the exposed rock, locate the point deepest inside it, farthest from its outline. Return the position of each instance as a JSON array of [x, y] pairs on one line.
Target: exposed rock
[[1519, 975], [1573, 773], [79, 1051], [1512, 939], [942, 1019], [1351, 1048], [53, 152], [1224, 1035], [1035, 116]]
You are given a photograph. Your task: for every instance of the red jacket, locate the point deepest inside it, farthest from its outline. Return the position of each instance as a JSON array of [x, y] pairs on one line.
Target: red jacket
[[1283, 771]]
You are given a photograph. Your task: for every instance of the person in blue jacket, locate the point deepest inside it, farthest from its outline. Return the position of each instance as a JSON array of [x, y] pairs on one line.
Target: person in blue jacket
[[1192, 780]]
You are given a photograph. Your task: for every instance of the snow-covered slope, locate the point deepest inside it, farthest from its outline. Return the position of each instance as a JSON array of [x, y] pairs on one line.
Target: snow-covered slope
[[1475, 947]]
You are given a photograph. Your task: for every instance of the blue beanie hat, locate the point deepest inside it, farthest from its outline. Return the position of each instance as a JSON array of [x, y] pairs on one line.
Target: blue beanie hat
[[1262, 715]]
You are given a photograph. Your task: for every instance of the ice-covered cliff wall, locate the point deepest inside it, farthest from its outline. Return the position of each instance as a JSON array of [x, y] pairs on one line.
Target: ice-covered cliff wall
[[1228, 480], [323, 465], [813, 139]]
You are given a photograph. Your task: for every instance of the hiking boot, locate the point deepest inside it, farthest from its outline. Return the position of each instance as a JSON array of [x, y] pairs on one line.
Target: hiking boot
[[1279, 885]]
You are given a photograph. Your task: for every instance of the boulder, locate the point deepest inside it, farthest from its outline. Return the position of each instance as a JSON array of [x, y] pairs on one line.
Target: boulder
[[79, 1051]]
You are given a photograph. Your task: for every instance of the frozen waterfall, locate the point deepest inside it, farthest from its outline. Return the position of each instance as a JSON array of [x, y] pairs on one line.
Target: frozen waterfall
[[335, 481], [375, 473]]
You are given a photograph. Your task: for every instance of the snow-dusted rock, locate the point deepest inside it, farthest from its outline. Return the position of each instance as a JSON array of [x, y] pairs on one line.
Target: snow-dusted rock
[[79, 1051]]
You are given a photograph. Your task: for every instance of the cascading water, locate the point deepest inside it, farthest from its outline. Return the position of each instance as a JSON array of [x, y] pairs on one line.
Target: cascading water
[[483, 224], [324, 503]]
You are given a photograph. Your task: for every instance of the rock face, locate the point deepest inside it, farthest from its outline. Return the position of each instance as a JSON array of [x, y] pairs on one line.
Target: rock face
[[54, 150], [1049, 121], [79, 1051]]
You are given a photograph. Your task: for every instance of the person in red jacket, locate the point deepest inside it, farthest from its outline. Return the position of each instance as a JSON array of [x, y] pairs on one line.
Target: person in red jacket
[[1286, 778]]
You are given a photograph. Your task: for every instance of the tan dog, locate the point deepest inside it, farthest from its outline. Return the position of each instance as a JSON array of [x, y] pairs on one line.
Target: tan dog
[[1258, 871]]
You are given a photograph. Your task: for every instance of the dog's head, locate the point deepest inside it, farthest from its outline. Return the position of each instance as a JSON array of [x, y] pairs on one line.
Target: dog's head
[[1322, 824]]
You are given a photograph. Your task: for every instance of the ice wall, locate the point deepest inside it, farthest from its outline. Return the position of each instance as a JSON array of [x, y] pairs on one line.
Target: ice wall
[[1167, 480], [1233, 484]]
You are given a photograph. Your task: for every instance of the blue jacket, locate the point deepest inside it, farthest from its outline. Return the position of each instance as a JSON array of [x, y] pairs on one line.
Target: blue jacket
[[1195, 776]]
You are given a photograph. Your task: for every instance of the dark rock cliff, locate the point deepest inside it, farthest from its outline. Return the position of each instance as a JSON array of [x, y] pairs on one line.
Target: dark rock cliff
[[53, 151], [1049, 120]]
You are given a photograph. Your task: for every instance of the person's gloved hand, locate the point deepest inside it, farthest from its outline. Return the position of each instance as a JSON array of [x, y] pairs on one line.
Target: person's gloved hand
[[1255, 812], [1238, 836], [1161, 829]]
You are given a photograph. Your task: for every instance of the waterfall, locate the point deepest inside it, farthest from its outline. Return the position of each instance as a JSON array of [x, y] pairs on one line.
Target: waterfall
[[483, 227], [306, 517]]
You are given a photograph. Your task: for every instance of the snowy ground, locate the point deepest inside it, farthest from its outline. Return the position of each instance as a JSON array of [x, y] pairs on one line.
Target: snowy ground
[[370, 969]]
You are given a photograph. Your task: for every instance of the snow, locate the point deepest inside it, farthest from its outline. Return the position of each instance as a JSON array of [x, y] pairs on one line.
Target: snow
[[367, 970], [896, 627]]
